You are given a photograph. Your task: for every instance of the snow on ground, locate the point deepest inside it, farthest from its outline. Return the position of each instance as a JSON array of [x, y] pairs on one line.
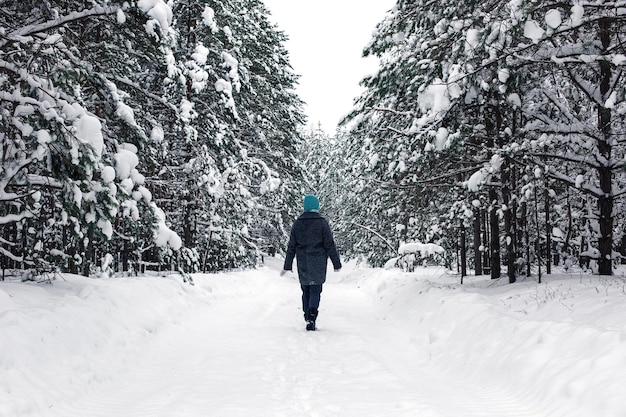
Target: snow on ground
[[389, 344]]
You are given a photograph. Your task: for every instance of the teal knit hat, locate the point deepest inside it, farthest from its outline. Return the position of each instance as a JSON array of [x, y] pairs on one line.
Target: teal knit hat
[[311, 203]]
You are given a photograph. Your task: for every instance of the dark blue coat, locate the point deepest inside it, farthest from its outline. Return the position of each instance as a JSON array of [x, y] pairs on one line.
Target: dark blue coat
[[311, 242]]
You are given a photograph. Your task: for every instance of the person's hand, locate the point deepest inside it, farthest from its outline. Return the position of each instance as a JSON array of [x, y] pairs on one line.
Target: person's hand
[[337, 269], [283, 272]]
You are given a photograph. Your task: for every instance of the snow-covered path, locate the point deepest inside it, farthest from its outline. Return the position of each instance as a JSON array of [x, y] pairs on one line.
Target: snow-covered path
[[247, 353]]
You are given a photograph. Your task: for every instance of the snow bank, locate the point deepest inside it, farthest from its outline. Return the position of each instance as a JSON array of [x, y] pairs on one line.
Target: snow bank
[[57, 340], [560, 344]]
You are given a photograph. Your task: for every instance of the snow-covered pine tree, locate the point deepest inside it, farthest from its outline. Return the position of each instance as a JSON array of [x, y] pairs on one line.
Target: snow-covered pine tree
[[231, 165], [559, 65], [67, 172], [423, 134], [573, 120], [322, 159], [270, 126], [521, 93], [128, 60]]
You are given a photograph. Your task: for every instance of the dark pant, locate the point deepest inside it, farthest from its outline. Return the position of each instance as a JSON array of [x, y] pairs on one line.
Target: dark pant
[[311, 297]]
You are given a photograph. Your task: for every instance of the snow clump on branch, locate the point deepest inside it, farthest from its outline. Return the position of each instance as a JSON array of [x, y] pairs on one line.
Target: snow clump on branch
[[163, 235], [160, 13]]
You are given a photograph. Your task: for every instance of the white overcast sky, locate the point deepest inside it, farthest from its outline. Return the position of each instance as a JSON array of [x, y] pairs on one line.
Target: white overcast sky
[[326, 41]]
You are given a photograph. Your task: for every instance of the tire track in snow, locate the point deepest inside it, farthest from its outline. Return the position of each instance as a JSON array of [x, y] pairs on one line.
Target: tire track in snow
[[249, 354]]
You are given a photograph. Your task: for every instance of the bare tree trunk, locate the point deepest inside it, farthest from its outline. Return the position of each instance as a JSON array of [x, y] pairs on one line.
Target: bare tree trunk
[[508, 224], [463, 248], [546, 196], [486, 242], [526, 236], [125, 256], [538, 241], [494, 226], [605, 174], [189, 221], [478, 262], [90, 256]]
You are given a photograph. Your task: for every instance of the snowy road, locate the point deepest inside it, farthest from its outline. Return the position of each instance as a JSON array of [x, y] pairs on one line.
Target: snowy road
[[246, 353]]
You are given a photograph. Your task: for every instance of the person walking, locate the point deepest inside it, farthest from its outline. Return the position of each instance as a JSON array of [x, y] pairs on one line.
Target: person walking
[[311, 243]]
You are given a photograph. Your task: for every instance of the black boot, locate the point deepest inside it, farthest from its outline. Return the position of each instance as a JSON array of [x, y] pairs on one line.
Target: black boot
[[310, 319]]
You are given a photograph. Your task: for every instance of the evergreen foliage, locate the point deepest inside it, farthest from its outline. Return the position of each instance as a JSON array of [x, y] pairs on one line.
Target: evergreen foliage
[[125, 125], [498, 117]]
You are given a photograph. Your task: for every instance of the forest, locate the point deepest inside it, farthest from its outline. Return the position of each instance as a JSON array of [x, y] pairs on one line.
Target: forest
[[168, 135]]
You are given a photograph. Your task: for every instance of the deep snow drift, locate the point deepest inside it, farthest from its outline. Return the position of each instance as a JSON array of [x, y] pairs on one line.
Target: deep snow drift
[[389, 344]]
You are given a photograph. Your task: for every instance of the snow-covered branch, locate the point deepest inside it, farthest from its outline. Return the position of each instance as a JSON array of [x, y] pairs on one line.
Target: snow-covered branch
[[140, 89], [45, 181], [560, 104], [399, 132], [574, 158], [10, 255], [592, 91], [14, 218], [29, 30], [369, 229], [571, 182], [388, 110]]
